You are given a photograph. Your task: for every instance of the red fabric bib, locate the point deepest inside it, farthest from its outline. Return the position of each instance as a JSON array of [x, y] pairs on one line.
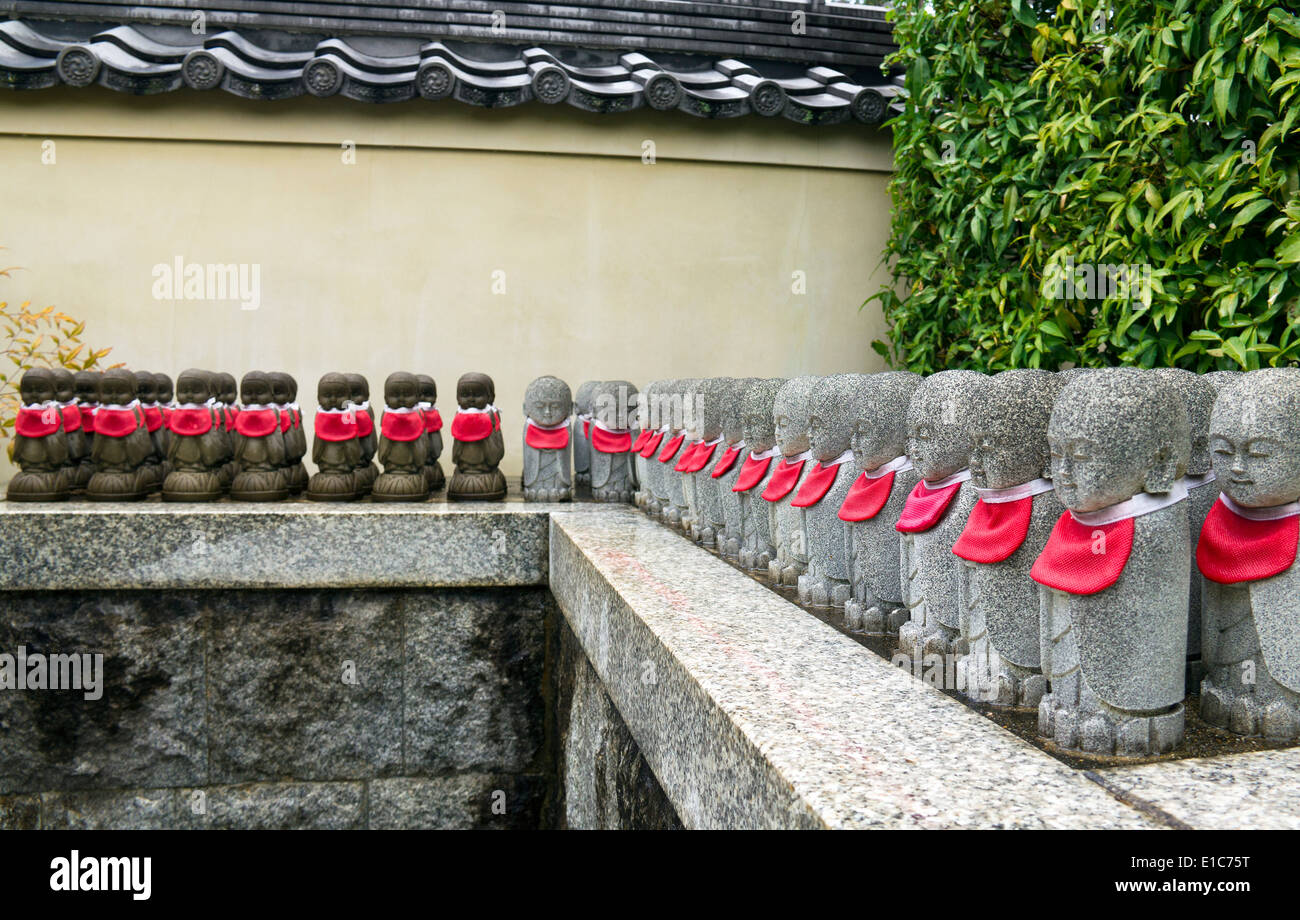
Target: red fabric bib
[[295, 416], [115, 423], [230, 414], [671, 448], [71, 418], [652, 444], [496, 420], [751, 473], [925, 507], [685, 457], [472, 426], [586, 428], [644, 436], [153, 418], [994, 530], [610, 442], [432, 420], [1070, 561], [31, 423], [257, 423], [365, 423], [402, 426], [1233, 549], [866, 497], [87, 413], [816, 486], [783, 480], [335, 426], [190, 421], [546, 439], [725, 462], [286, 419], [700, 457]]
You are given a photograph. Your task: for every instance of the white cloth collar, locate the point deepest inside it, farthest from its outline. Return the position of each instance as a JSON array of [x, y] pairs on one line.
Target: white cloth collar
[[806, 455], [1194, 482], [402, 411], [114, 406], [193, 406], [838, 461], [603, 427], [1272, 513], [1014, 493], [897, 465], [489, 408], [959, 476], [737, 445], [1138, 505], [765, 454], [48, 404], [323, 411], [258, 407], [529, 423]]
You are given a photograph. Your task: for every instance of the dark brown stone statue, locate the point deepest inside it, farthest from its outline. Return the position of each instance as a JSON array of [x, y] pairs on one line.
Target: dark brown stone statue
[[166, 402], [227, 393], [478, 445], [197, 446], [259, 445], [402, 443], [86, 386], [433, 433], [285, 388], [151, 470], [335, 450], [65, 394], [367, 472], [40, 445], [121, 443]]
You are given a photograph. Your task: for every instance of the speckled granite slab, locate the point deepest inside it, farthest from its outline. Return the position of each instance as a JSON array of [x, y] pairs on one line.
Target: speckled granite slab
[[74, 545], [753, 713]]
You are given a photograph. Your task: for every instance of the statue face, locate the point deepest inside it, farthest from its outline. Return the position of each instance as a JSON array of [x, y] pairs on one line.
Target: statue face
[[1255, 439], [938, 439], [756, 415], [255, 390], [332, 392], [279, 388], [547, 401], [192, 389], [116, 388], [1008, 428], [163, 385], [428, 389], [790, 415], [830, 428], [613, 404], [401, 391], [65, 387], [472, 394], [228, 389], [358, 387], [87, 386], [146, 387], [37, 386], [733, 420]]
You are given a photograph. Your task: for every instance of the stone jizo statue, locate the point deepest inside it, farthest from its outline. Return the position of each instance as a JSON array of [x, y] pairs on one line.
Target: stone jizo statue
[[478, 447], [367, 472], [402, 443], [762, 457], [581, 434], [121, 443], [335, 450], [432, 432], [40, 444], [723, 507], [259, 444], [790, 413], [613, 476], [548, 447], [197, 446]]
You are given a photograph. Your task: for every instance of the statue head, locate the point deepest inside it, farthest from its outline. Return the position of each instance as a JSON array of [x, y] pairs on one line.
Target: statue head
[[279, 381], [1197, 396], [830, 423], [1114, 433], [790, 415], [711, 400], [227, 388], [877, 409], [38, 385], [117, 387], [644, 401], [358, 387], [255, 389], [193, 387], [86, 385], [163, 384], [1008, 428], [1219, 379], [474, 391], [293, 387], [146, 387], [1255, 438], [582, 398], [613, 403], [428, 389], [401, 390], [548, 401], [758, 413], [333, 391], [733, 416], [65, 387], [938, 422]]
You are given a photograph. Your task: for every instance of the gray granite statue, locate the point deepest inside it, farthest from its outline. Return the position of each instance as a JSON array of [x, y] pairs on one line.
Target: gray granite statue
[[997, 601], [548, 445], [682, 398], [701, 490], [645, 434], [762, 456], [886, 476], [582, 434], [647, 448], [790, 414], [938, 441], [1113, 614], [40, 443], [723, 504], [1197, 397], [1250, 644], [666, 412], [613, 410], [1219, 379], [826, 484]]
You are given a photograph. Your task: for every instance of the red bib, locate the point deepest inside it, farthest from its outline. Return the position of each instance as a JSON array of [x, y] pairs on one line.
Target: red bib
[[925, 507], [1073, 560], [685, 457], [644, 436], [546, 438], [432, 420], [610, 442], [402, 426], [296, 416], [190, 422], [472, 426], [652, 444], [286, 420], [365, 423], [87, 413], [866, 497], [671, 448], [153, 418], [116, 423], [725, 462], [335, 426], [783, 480], [71, 418], [1234, 549], [816, 486], [700, 457], [31, 423], [586, 428], [230, 414], [995, 530], [751, 473], [257, 423]]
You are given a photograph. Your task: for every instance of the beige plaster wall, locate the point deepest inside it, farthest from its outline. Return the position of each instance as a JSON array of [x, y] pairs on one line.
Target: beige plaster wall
[[612, 267]]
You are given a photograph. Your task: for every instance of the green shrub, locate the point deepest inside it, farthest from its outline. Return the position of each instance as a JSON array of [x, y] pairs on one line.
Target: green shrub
[[1164, 136]]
